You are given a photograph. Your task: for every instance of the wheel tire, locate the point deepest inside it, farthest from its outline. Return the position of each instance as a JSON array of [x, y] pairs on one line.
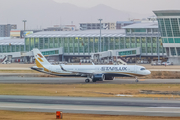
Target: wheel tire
[[103, 77], [136, 81], [87, 80]]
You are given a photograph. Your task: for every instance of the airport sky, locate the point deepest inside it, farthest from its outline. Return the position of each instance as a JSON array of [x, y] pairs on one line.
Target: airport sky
[[138, 6], [46, 13]]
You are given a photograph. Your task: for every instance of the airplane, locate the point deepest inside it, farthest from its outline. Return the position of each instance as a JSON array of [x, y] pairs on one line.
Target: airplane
[[92, 72]]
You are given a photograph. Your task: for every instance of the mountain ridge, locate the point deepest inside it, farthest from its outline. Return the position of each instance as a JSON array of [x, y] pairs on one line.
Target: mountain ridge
[[45, 13]]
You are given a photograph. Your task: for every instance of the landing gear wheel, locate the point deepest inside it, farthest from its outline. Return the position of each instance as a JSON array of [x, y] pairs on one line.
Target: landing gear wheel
[[87, 80], [103, 77], [136, 80]]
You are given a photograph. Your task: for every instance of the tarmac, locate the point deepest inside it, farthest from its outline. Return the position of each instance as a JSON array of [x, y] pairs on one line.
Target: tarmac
[[107, 106], [69, 80], [84, 105]]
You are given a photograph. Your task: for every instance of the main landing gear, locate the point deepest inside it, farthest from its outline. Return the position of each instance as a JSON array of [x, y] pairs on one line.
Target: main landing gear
[[87, 80]]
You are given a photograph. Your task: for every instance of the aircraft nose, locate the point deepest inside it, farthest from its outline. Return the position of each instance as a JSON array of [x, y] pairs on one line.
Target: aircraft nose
[[149, 72]]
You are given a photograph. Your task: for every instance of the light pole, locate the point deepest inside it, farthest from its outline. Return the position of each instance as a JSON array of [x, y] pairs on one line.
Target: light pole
[[24, 24], [100, 35], [158, 49]]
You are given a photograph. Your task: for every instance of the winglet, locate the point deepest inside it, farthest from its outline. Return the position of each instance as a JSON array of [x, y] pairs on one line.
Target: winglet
[[93, 63], [63, 68]]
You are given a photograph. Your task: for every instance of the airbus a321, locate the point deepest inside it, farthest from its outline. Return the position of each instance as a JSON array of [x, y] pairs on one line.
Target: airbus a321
[[92, 72]]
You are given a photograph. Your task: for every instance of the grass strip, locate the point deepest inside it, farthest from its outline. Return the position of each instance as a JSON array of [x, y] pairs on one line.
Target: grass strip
[[87, 90]]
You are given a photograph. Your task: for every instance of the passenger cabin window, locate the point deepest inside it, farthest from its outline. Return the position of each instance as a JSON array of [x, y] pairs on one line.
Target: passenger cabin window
[[143, 68]]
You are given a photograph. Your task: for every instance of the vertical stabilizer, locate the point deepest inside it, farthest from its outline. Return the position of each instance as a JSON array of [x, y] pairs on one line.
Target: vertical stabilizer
[[41, 61]]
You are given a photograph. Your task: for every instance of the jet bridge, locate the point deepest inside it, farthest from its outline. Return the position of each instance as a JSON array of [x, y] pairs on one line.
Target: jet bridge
[[4, 60], [115, 56]]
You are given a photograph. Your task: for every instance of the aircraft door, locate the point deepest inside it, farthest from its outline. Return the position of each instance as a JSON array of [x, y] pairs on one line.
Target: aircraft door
[[131, 69], [96, 69]]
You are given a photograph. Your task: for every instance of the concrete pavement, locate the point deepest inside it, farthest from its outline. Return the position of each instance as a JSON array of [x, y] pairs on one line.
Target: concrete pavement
[[70, 80], [107, 106]]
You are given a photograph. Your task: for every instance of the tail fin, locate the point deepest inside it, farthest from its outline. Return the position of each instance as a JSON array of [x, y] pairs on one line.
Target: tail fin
[[41, 61]]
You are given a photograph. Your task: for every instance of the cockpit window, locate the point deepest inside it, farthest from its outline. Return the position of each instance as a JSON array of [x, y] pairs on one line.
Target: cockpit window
[[143, 68]]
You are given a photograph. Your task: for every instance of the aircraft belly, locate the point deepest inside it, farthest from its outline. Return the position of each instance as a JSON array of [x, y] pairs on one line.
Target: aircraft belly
[[122, 74]]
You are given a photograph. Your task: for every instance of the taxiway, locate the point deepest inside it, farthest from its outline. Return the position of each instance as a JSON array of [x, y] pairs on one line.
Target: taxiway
[[64, 80], [110, 106]]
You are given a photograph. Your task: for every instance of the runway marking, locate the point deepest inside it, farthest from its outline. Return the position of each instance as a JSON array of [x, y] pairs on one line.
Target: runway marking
[[92, 109]]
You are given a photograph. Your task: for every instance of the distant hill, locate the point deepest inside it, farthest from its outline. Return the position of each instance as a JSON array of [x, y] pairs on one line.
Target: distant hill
[[44, 13]]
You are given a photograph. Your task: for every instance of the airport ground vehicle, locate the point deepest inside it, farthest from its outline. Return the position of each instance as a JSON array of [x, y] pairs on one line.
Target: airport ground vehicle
[[167, 63]]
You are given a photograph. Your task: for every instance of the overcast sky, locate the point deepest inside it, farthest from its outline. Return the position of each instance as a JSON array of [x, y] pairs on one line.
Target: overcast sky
[[138, 6], [45, 13]]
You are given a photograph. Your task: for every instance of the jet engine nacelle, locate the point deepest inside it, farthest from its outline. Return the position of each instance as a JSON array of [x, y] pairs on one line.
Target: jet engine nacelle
[[109, 77], [98, 77]]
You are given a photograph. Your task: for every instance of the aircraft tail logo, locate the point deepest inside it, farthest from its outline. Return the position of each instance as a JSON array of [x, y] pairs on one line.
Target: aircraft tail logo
[[41, 61]]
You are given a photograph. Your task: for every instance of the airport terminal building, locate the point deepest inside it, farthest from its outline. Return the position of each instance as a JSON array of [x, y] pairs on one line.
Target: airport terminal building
[[169, 25], [83, 43], [68, 45]]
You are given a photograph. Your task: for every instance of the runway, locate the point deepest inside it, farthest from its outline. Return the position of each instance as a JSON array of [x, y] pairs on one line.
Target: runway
[[110, 106], [58, 80]]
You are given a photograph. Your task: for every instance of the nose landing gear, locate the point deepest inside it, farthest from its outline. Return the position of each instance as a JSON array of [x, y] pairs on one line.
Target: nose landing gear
[[136, 80]]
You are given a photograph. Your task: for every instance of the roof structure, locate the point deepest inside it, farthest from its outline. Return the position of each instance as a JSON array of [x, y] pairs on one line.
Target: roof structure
[[167, 13], [128, 22], [87, 33], [143, 25], [15, 41]]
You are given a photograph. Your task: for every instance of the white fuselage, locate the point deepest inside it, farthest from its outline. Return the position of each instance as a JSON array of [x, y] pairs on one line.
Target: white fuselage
[[129, 70]]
